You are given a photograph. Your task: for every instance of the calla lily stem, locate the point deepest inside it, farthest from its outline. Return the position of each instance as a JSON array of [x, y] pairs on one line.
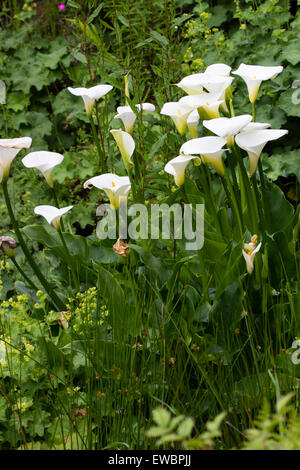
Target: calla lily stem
[[58, 302], [97, 143], [204, 174], [69, 256], [247, 189], [235, 206], [58, 206], [23, 274]]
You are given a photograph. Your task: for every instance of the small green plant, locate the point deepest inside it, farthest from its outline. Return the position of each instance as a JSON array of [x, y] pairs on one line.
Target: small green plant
[[176, 431]]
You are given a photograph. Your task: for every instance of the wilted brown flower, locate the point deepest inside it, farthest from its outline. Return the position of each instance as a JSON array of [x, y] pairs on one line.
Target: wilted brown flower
[[63, 319], [8, 245], [121, 248]]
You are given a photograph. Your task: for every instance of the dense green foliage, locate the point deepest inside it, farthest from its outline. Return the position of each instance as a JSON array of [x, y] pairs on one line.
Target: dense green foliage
[[189, 331]]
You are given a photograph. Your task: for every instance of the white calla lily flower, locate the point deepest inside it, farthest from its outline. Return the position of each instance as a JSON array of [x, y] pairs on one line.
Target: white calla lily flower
[[253, 75], [209, 148], [249, 251], [228, 127], [177, 166], [254, 142], [89, 95], [210, 81], [192, 123], [128, 116], [9, 148], [52, 214], [219, 84], [222, 70], [207, 104], [255, 126], [179, 113], [116, 187], [43, 161], [126, 146], [191, 84], [194, 84]]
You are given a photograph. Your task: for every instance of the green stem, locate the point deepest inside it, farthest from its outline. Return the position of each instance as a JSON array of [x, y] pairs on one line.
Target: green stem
[[264, 195], [257, 201], [234, 202], [236, 188], [204, 173], [23, 274], [232, 114], [59, 303], [248, 193], [57, 205], [253, 112], [97, 143], [68, 256]]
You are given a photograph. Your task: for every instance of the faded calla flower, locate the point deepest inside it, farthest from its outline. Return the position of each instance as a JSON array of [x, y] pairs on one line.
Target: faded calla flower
[[128, 116], [253, 75], [121, 248], [179, 113], [177, 166], [43, 161], [52, 214], [126, 146], [89, 95], [116, 187], [209, 148], [9, 148], [249, 251], [63, 319], [8, 245], [254, 142]]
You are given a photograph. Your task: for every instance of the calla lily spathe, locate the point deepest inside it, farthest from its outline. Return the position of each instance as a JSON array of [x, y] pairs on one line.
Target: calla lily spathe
[[126, 146], [249, 251], [116, 187], [9, 148], [223, 70], [178, 112], [228, 127], [214, 79], [255, 126], [177, 166], [43, 161], [209, 148], [191, 84], [192, 123], [207, 104], [52, 214], [89, 95], [254, 142], [253, 75], [128, 116]]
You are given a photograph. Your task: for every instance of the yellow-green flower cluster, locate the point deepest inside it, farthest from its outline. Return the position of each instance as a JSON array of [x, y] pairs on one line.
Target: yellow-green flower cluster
[[86, 311]]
